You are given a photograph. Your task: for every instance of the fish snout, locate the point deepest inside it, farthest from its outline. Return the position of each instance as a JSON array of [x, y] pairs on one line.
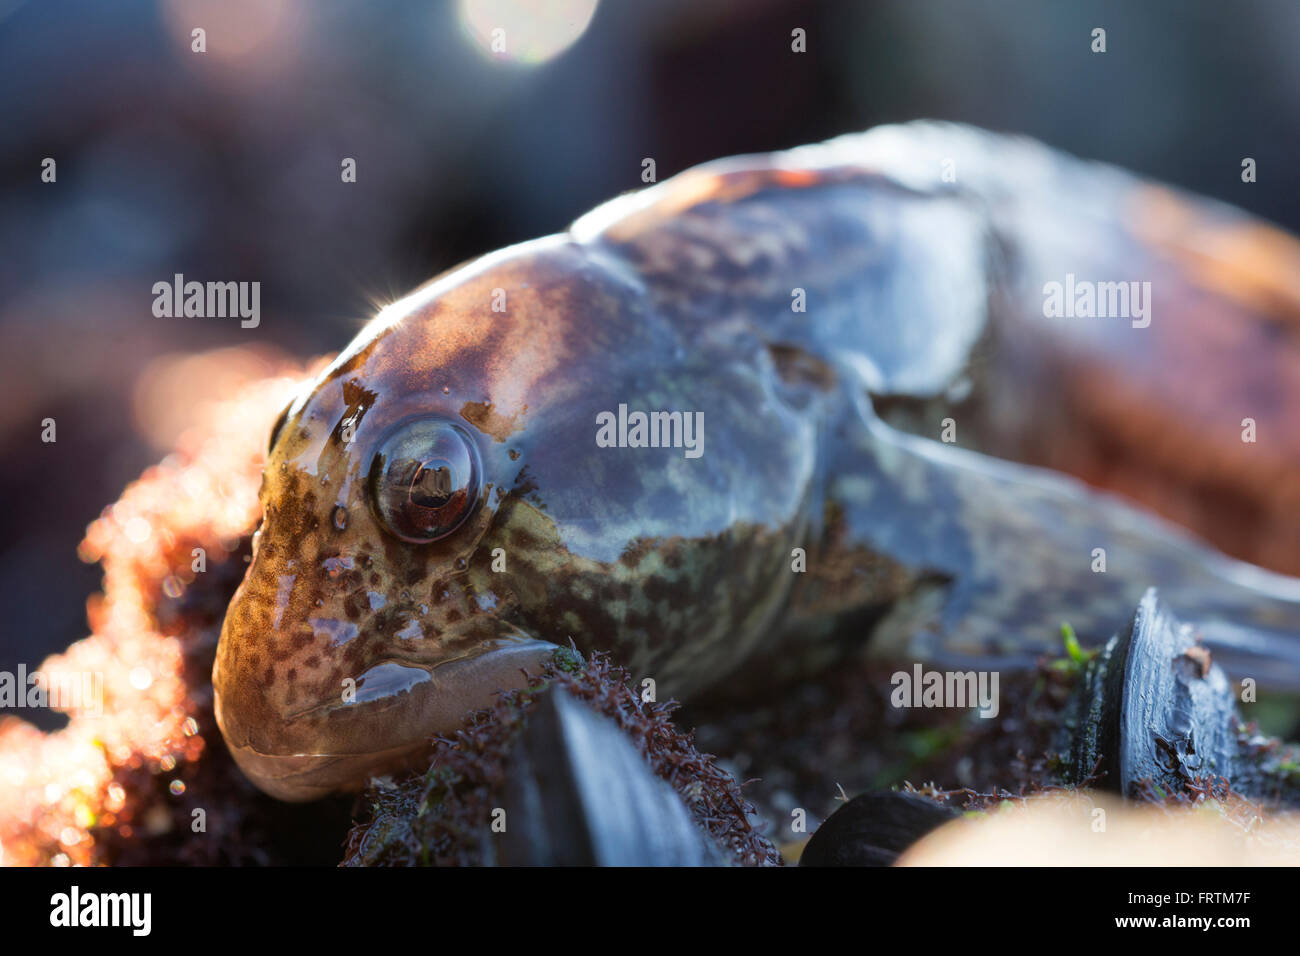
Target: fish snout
[[310, 705]]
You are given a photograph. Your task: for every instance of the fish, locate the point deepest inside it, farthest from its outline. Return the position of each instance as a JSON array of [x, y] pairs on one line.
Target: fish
[[770, 412]]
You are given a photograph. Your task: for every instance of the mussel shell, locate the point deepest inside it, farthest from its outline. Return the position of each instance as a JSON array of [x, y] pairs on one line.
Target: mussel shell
[[1155, 708], [578, 793], [873, 829]]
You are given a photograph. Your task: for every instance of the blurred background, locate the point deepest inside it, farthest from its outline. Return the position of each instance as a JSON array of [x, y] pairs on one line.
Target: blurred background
[[225, 165]]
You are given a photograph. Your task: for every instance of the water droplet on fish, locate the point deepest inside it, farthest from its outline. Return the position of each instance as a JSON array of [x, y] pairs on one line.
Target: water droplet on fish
[[340, 518]]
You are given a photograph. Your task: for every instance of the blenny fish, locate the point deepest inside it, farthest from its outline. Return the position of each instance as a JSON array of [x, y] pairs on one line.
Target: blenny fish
[[855, 338]]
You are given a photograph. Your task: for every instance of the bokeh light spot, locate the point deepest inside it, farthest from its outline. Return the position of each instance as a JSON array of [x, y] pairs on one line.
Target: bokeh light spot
[[235, 28], [529, 32], [138, 530]]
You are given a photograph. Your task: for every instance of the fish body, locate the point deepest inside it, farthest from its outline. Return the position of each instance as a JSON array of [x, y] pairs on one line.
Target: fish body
[[670, 433]]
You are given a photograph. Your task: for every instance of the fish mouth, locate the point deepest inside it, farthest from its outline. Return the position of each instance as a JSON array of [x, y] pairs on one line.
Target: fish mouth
[[384, 729]]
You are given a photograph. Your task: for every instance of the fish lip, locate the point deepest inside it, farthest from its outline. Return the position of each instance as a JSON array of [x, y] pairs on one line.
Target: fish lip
[[456, 687], [415, 663]]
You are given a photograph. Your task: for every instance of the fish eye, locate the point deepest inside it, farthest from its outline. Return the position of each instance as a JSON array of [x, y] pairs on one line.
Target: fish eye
[[425, 480]]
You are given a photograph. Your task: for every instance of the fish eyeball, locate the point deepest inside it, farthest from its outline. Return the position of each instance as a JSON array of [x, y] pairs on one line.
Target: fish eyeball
[[425, 479]]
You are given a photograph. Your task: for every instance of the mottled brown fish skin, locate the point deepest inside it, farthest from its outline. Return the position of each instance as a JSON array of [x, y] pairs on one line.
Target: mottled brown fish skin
[[805, 516]]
